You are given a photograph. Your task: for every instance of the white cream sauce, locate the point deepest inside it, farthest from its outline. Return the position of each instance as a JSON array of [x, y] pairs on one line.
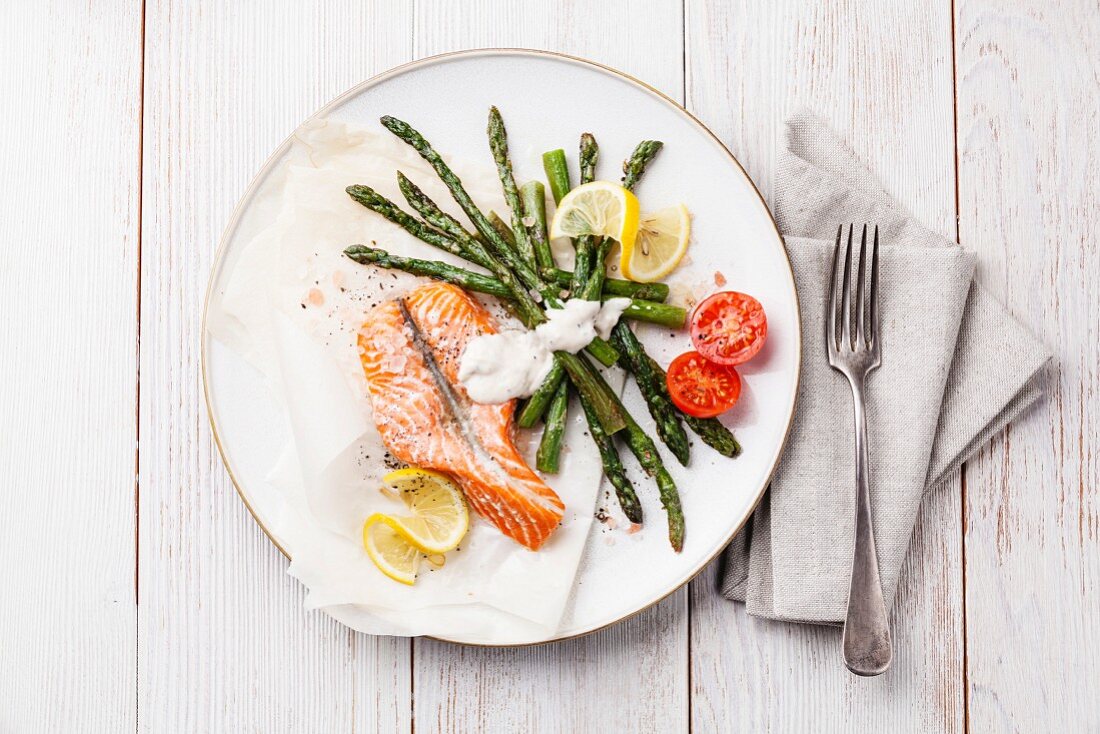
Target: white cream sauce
[[498, 367]]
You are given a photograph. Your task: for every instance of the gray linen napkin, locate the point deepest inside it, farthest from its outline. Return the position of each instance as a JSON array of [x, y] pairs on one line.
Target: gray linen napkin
[[956, 368]]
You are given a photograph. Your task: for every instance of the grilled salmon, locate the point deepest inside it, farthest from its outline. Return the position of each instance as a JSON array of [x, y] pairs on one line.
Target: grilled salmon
[[410, 349]]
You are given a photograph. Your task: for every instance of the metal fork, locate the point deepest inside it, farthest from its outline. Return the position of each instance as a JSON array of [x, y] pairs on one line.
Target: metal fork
[[851, 331]]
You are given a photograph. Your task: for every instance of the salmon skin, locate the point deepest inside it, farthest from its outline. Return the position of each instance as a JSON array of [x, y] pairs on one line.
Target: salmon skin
[[410, 350]]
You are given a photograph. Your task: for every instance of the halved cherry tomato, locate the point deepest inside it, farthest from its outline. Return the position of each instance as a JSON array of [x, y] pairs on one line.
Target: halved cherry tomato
[[700, 387], [729, 327]]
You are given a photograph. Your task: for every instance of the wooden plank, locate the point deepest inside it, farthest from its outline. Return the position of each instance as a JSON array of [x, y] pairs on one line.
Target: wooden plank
[[881, 74], [633, 676], [71, 81], [647, 46], [1029, 163], [224, 642], [630, 677]]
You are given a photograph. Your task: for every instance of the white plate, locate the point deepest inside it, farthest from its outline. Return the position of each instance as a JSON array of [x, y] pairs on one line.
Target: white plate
[[446, 97]]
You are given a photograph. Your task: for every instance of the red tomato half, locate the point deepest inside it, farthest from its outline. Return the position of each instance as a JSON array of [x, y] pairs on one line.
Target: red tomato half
[[729, 327], [702, 388]]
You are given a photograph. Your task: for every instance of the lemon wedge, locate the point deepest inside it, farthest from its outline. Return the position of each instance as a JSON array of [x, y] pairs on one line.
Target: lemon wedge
[[391, 553], [660, 245], [599, 208], [439, 521], [439, 517]]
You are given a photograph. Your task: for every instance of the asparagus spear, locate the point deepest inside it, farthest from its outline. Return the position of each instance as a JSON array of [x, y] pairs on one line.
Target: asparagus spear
[[590, 384], [661, 408], [589, 288], [594, 390], [438, 218], [534, 202], [514, 258], [611, 286], [502, 228], [662, 314], [613, 468], [533, 198], [655, 292], [641, 445], [557, 173], [710, 430], [633, 169], [459, 242], [546, 459], [539, 401], [454, 184], [636, 164], [638, 310], [423, 205], [589, 157], [498, 143], [374, 201], [468, 279], [582, 266], [598, 278], [651, 382]]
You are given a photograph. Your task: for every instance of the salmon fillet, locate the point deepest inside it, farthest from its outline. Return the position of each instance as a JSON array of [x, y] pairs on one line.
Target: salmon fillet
[[410, 350]]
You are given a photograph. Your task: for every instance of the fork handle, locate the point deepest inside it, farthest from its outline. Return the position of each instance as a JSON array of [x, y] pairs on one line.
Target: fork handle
[[866, 638]]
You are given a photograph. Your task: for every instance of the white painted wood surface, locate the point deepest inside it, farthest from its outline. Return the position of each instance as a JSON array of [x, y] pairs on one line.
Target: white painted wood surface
[[154, 117], [224, 642], [1029, 169], [70, 85]]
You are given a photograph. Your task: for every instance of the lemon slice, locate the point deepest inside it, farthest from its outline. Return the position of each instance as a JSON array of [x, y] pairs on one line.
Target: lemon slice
[[660, 245], [439, 517], [391, 553], [599, 208]]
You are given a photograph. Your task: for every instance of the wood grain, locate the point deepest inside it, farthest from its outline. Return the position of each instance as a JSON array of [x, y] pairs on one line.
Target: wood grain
[[154, 156], [71, 85], [224, 644], [633, 676], [889, 92], [630, 677], [1029, 164]]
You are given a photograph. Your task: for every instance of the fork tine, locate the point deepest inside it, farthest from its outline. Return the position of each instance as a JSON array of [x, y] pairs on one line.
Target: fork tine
[[831, 321], [861, 299], [873, 306], [846, 290]]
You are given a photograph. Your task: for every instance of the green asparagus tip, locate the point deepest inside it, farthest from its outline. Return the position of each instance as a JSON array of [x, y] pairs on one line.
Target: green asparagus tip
[[635, 166], [362, 254], [364, 194], [409, 190], [589, 156], [403, 130]]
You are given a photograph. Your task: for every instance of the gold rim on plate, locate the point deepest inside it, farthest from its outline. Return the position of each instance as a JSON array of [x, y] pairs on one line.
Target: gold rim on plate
[[266, 169]]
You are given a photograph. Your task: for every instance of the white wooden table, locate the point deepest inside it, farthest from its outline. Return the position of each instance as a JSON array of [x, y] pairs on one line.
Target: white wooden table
[[140, 594]]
